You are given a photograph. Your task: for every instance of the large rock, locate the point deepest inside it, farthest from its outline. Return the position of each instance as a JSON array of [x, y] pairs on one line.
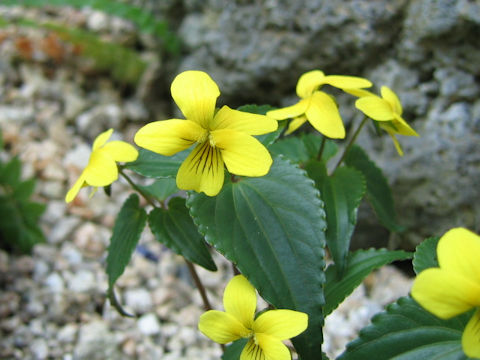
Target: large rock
[[257, 50]]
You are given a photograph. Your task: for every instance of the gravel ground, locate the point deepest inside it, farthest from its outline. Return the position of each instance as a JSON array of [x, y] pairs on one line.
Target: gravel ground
[[52, 303]]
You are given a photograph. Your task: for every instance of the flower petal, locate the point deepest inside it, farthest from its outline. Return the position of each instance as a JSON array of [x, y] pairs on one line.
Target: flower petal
[[375, 107], [202, 170], [324, 116], [221, 327], [444, 293], [101, 169], [242, 153], [309, 82], [458, 251], [268, 348], [392, 99], [168, 137], [402, 127], [396, 143], [471, 337], [295, 124], [72, 193], [347, 82], [289, 111], [240, 300], [273, 348], [252, 124], [359, 92], [195, 93], [252, 351], [101, 139], [121, 151], [281, 324]]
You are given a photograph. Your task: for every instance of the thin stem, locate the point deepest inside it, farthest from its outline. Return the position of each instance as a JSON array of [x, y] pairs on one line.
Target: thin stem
[[135, 187], [322, 147], [201, 288], [351, 142]]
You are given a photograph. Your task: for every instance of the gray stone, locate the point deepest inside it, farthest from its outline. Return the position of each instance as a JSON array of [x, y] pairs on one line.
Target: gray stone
[[55, 283], [95, 342], [139, 300], [456, 84], [68, 333], [98, 119], [148, 324], [61, 231], [39, 349], [82, 281]]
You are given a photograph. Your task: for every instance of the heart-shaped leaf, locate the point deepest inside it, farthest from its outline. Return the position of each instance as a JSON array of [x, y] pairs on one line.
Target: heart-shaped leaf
[[273, 228]]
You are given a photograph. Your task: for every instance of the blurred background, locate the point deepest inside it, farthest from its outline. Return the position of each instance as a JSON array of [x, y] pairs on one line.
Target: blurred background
[[72, 69]]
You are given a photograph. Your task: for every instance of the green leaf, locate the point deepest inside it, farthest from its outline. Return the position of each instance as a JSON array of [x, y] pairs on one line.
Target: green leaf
[[161, 189], [19, 230], [24, 189], [272, 228], [126, 233], [341, 193], [269, 138], [154, 165], [233, 351], [304, 148], [10, 174], [407, 331], [425, 255], [378, 191], [175, 228], [317, 171], [359, 264]]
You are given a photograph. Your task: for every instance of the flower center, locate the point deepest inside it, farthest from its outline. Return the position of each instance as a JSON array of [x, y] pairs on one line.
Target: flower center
[[206, 136]]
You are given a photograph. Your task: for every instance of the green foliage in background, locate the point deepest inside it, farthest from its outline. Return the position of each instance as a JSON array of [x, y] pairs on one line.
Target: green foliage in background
[[19, 215], [124, 64], [143, 19]]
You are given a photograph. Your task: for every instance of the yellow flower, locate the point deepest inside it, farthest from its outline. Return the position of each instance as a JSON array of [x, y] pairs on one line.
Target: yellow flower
[[102, 169], [454, 287], [387, 110], [264, 334], [316, 106], [221, 137]]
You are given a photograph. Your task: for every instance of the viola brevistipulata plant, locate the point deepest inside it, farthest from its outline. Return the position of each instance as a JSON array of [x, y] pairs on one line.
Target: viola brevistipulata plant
[[271, 189]]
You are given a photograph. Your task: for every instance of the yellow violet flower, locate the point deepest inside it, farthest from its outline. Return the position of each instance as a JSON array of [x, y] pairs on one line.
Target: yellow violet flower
[[102, 168], [264, 334], [454, 287], [316, 106], [387, 110], [222, 137]]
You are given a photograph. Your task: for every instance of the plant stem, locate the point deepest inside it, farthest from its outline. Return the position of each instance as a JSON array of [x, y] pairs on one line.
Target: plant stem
[[351, 142], [322, 147], [136, 188], [201, 288]]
